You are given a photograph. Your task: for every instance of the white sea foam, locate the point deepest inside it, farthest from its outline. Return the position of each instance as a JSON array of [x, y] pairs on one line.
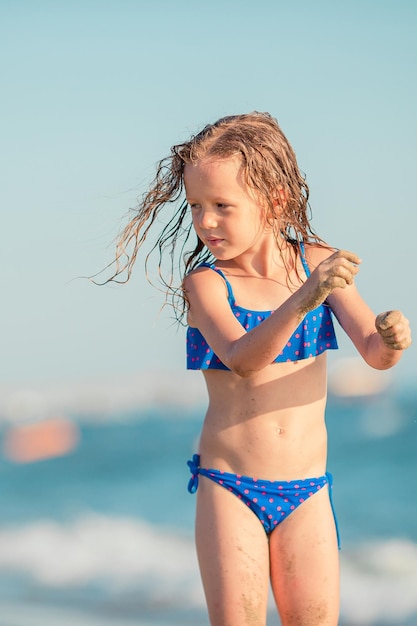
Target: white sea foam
[[115, 554], [121, 555], [379, 583], [31, 614]]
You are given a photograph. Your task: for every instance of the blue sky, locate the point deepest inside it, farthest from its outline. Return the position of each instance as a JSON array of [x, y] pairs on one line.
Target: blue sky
[[95, 93]]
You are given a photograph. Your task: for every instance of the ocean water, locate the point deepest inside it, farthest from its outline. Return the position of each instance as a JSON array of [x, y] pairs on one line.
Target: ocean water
[[104, 535]]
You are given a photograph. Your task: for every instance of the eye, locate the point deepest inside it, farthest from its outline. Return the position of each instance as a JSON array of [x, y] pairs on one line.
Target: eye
[[221, 205], [193, 205]]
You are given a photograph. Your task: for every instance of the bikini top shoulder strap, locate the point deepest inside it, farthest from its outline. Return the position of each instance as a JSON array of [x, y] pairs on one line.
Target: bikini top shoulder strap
[[230, 294], [303, 259]]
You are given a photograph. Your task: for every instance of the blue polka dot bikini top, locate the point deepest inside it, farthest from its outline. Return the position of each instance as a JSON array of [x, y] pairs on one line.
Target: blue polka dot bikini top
[[314, 335]]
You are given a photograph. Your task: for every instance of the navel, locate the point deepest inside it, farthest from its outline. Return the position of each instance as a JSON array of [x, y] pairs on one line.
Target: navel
[[279, 430]]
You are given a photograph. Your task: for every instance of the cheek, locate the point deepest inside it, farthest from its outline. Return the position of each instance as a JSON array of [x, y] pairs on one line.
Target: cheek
[[259, 210], [195, 222], [261, 219]]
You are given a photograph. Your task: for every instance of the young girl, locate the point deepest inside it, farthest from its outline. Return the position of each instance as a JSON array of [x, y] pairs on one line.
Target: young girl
[[259, 289]]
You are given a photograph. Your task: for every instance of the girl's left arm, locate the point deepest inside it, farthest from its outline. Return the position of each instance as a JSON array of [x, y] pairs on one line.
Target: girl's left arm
[[379, 339]]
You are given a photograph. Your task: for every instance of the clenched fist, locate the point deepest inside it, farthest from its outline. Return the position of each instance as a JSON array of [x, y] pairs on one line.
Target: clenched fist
[[394, 329]]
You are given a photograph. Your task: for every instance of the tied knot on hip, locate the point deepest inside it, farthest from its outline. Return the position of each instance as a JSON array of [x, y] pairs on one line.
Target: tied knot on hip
[[194, 466]]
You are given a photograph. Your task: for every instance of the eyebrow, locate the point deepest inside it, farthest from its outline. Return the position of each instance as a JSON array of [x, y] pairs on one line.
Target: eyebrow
[[218, 200]]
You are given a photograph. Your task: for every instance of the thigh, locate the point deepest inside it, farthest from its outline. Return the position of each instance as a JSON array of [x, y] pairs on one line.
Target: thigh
[[232, 549], [305, 565]]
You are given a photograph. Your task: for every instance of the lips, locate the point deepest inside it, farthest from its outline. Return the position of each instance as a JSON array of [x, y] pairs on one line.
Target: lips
[[213, 241]]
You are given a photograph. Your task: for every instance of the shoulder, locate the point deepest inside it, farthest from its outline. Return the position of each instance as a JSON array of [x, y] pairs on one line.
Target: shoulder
[[201, 277], [205, 290], [315, 253]]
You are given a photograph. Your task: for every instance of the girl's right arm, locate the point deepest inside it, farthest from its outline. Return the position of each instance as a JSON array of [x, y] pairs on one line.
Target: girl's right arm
[[248, 352]]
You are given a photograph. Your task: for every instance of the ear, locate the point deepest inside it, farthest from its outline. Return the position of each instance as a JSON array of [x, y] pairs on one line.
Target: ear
[[281, 198]]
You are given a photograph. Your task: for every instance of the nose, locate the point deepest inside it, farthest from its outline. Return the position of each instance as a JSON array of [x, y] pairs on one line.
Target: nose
[[207, 219]]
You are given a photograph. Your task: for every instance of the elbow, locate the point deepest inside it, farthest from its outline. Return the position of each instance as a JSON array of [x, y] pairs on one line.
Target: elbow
[[245, 363], [386, 361], [381, 367], [380, 356], [243, 372], [241, 367]]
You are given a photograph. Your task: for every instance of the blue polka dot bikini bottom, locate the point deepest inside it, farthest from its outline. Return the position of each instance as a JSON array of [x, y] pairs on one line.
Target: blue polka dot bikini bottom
[[272, 501]]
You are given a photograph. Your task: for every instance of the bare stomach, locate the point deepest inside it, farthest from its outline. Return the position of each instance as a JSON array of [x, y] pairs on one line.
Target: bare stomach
[[270, 425]]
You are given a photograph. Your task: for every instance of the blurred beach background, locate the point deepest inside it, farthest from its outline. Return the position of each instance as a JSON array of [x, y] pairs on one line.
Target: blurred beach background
[[97, 413]]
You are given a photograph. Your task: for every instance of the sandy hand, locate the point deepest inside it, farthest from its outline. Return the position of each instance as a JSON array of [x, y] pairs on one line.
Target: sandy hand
[[394, 329], [336, 272]]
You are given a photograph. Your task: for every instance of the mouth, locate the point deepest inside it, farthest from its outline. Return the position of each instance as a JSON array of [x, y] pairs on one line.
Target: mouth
[[213, 241]]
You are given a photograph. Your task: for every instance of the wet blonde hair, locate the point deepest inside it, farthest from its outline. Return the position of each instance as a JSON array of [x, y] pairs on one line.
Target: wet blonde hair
[[269, 164]]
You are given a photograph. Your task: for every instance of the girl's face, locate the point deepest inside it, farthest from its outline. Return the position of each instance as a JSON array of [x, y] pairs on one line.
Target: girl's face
[[227, 216]]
